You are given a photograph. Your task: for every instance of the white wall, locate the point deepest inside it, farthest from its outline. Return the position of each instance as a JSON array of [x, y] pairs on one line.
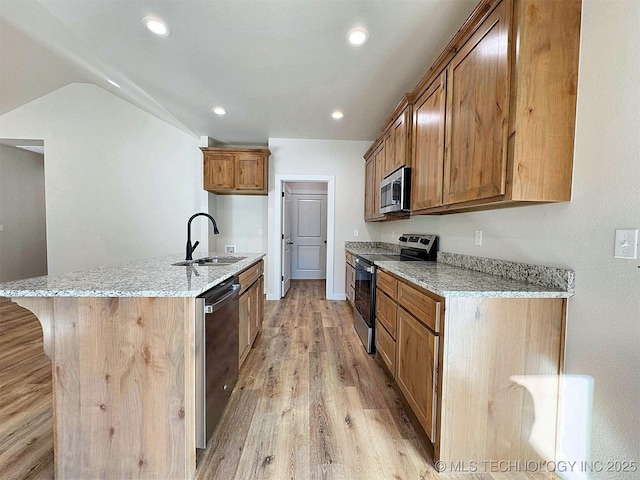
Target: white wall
[[603, 327], [239, 217], [119, 183], [342, 159], [23, 244]]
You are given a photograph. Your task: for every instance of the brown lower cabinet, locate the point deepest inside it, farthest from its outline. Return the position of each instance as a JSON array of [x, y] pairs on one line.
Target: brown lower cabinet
[[251, 308], [459, 363], [350, 278]]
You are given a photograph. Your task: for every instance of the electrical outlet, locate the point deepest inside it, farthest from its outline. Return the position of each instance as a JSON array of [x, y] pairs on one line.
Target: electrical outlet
[[626, 244], [356, 234], [259, 232], [478, 239], [230, 248]]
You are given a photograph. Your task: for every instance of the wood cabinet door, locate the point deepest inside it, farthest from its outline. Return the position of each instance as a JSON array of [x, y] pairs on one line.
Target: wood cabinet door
[[389, 153], [218, 171], [244, 329], [369, 188], [428, 146], [250, 172], [400, 135], [478, 113], [417, 369], [255, 317], [379, 157]]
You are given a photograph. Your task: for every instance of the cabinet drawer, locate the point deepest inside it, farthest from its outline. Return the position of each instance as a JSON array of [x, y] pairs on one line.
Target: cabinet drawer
[[250, 275], [386, 312], [386, 283], [349, 258], [423, 307], [386, 347]]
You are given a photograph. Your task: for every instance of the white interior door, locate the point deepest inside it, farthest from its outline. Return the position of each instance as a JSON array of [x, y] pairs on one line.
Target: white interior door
[[309, 236], [286, 240]]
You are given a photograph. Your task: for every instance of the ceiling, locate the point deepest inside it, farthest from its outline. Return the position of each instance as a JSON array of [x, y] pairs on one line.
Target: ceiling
[[279, 67]]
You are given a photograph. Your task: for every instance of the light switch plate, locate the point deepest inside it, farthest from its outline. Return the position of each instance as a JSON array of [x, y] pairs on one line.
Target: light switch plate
[[626, 244], [356, 233], [478, 238], [1, 227]]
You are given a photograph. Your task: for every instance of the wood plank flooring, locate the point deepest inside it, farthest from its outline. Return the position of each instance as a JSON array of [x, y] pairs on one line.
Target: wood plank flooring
[[26, 427], [309, 404]]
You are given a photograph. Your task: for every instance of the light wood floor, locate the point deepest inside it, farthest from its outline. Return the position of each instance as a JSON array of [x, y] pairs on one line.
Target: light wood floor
[[309, 404], [26, 428]]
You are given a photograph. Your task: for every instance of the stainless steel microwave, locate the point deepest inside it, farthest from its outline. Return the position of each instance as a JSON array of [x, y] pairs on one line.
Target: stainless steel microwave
[[395, 192]]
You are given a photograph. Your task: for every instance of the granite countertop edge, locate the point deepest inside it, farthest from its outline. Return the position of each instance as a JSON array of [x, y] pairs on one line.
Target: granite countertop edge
[[155, 277], [484, 277]]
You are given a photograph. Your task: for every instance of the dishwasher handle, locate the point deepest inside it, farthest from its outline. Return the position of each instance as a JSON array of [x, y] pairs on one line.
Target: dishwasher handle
[[210, 308]]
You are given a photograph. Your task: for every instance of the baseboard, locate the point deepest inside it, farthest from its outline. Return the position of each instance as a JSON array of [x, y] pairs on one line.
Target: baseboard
[[337, 296]]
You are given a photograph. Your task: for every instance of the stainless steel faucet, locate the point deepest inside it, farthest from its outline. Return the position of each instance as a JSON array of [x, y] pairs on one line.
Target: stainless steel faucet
[[191, 248]]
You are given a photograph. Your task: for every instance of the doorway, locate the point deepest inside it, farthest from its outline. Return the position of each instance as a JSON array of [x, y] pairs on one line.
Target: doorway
[[303, 241], [23, 233], [308, 232]]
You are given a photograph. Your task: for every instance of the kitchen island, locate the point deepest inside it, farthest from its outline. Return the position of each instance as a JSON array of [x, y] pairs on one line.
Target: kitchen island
[[122, 344]]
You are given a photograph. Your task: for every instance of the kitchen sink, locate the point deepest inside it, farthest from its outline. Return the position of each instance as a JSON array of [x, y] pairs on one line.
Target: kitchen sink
[[210, 261]]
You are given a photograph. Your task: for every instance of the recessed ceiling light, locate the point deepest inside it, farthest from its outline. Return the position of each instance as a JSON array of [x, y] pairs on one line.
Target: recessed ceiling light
[[113, 83], [157, 26], [219, 111], [337, 115], [357, 36]]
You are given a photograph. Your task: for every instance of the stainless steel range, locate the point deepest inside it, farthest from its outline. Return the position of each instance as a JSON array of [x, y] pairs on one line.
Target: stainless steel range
[[414, 247]]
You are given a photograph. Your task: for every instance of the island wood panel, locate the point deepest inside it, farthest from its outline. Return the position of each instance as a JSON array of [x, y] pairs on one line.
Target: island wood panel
[[428, 146], [544, 102], [478, 112], [486, 341], [123, 406]]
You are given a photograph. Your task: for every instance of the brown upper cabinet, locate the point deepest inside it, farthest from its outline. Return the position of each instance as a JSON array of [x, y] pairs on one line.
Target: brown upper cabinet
[[428, 146], [493, 119], [388, 153], [374, 173], [236, 170]]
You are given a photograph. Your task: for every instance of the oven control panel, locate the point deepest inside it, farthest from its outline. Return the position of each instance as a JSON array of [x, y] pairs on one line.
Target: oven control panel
[[418, 240]]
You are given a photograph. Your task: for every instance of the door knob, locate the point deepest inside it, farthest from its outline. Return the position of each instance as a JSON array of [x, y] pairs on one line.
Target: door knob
[[289, 243]]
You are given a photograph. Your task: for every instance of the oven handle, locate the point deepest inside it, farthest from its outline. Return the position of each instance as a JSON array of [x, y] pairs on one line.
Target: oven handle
[[366, 269]]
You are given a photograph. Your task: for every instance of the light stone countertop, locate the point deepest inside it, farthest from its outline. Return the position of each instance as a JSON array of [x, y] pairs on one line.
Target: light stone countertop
[[154, 277], [455, 275]]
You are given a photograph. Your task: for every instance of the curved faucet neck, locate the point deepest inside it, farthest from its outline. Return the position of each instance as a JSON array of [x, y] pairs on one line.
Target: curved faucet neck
[[190, 247]]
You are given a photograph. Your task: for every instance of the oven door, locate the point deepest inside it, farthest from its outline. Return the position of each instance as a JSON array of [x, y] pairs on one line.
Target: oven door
[[364, 301]]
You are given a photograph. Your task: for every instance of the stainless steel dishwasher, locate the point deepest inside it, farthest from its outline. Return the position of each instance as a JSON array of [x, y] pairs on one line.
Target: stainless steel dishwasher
[[216, 352]]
